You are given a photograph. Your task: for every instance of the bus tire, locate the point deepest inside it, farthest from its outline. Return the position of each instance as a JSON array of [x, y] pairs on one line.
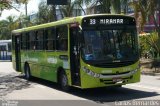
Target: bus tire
[[27, 72], [118, 86], [64, 81]]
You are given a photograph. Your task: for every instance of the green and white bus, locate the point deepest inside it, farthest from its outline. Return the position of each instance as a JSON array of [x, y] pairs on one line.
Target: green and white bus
[[85, 52]]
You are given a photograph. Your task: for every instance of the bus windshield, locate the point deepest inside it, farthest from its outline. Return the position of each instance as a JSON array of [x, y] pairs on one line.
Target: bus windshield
[[110, 45]]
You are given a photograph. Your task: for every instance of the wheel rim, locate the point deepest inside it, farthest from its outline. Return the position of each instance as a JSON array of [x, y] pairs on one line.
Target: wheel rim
[[64, 80], [27, 73]]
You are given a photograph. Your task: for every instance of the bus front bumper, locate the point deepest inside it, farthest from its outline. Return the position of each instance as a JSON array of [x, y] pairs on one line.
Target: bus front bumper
[[91, 80]]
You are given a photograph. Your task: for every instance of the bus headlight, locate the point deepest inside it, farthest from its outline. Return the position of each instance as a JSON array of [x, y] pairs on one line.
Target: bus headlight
[[91, 73], [133, 72]]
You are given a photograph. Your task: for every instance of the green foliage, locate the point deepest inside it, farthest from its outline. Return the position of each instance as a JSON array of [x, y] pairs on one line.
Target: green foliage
[[5, 4], [144, 46], [9, 4], [67, 10], [116, 6], [150, 44], [143, 10], [12, 23], [108, 6], [7, 26], [21, 1], [154, 41], [4, 32], [45, 13]]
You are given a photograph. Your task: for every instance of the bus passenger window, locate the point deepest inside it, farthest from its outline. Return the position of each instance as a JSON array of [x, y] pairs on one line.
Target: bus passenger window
[[64, 45], [39, 40], [32, 40], [27, 41], [50, 39], [23, 41], [62, 38]]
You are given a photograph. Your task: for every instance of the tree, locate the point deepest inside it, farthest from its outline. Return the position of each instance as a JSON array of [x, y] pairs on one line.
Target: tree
[[23, 21], [102, 6], [23, 2], [80, 5], [7, 26], [9, 4], [45, 13], [108, 6], [154, 7], [144, 9], [67, 10], [5, 4], [11, 23], [115, 6], [124, 6], [4, 33], [154, 41]]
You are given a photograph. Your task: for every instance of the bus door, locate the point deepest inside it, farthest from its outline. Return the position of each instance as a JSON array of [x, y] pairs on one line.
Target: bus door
[[74, 56], [17, 53]]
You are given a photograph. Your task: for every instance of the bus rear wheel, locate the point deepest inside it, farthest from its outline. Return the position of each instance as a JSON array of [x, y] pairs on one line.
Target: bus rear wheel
[[27, 72], [64, 81]]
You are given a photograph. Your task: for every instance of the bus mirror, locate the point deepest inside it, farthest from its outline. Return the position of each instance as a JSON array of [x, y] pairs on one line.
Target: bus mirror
[[80, 28]]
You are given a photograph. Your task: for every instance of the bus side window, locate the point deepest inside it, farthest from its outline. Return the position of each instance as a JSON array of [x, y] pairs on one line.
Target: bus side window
[[62, 38], [32, 40], [50, 39], [39, 40], [23, 42], [27, 41]]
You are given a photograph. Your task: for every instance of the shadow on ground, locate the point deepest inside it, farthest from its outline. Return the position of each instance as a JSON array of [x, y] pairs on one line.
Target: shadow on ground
[[11, 82], [101, 95]]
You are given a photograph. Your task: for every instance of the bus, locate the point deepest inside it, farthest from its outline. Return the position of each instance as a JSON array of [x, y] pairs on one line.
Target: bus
[[89, 51], [5, 50]]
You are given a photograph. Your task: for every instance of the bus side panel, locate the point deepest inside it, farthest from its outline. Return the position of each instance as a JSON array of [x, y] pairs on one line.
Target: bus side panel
[[51, 63], [49, 71], [22, 60], [44, 64], [34, 59]]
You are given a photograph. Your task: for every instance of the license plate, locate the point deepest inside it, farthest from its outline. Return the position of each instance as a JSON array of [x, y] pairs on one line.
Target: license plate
[[117, 79]]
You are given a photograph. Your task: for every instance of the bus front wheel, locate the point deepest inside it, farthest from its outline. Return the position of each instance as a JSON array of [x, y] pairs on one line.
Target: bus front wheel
[[27, 72], [64, 81]]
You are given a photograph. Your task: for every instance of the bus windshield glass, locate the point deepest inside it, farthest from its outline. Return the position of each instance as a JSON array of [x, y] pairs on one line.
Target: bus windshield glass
[[110, 45]]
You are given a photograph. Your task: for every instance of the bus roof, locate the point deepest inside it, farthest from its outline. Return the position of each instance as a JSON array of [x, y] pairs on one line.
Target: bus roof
[[61, 22]]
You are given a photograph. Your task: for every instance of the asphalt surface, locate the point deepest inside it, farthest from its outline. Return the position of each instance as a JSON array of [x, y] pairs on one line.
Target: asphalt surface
[[14, 87]]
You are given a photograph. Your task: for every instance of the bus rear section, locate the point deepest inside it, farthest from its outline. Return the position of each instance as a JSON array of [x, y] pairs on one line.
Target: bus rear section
[[106, 52]]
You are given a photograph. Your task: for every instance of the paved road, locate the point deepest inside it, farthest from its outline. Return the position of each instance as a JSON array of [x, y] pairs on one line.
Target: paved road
[[14, 87]]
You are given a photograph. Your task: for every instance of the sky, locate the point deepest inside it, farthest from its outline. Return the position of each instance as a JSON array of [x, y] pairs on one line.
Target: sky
[[32, 8]]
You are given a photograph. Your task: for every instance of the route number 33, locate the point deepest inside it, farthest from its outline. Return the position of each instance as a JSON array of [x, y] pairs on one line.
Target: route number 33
[[92, 21]]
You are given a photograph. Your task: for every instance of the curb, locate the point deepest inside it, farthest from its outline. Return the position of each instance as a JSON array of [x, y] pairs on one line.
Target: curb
[[151, 74]]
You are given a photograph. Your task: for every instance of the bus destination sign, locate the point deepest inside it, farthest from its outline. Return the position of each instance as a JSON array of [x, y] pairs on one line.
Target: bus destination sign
[[105, 21]]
